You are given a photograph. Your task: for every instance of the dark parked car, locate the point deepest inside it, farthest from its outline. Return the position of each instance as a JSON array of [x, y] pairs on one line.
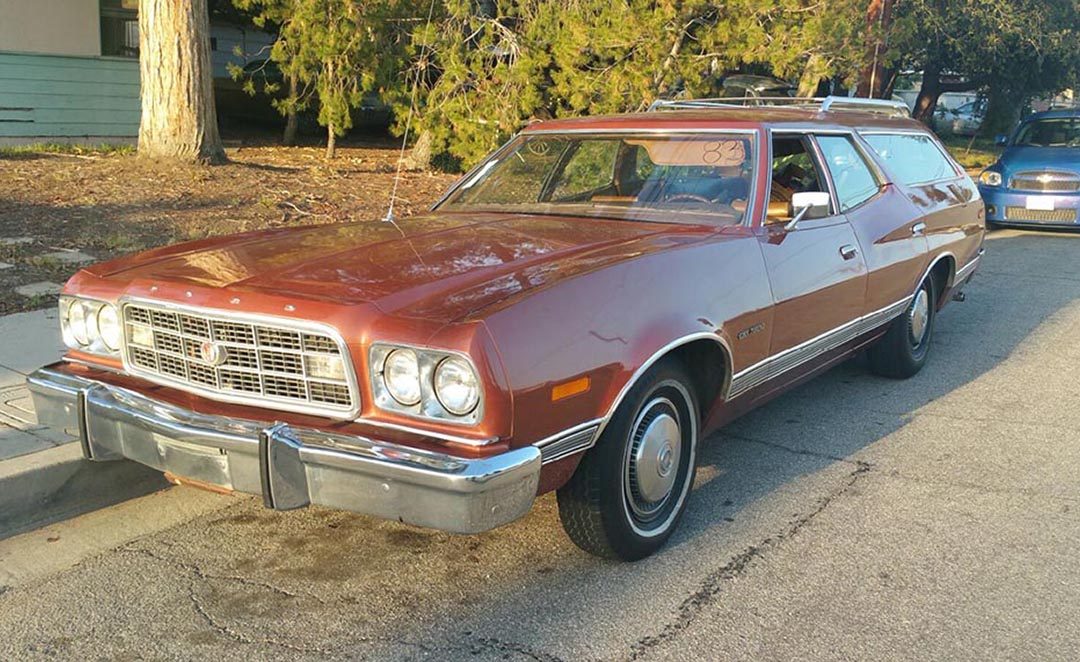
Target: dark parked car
[[1036, 181], [745, 86]]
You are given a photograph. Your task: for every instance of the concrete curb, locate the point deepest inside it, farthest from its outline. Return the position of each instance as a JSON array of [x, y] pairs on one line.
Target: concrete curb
[[54, 484]]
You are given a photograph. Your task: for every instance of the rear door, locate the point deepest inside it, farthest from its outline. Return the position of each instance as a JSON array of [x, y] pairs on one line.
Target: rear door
[[890, 230], [945, 200]]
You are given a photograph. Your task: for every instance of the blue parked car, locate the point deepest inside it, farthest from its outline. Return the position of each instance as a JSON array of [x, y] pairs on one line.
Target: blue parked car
[[1037, 179]]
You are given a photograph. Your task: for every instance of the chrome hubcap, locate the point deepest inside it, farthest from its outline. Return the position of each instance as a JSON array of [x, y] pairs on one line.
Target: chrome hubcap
[[654, 457], [918, 317]]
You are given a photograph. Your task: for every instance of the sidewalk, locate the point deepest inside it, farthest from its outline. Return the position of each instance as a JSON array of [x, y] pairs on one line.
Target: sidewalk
[[27, 342], [43, 476]]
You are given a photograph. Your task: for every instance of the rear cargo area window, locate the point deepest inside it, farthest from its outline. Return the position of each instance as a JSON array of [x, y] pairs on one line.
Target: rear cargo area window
[[911, 158]]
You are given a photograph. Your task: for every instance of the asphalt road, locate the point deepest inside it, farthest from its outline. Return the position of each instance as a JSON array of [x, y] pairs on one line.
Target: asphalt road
[[855, 518]]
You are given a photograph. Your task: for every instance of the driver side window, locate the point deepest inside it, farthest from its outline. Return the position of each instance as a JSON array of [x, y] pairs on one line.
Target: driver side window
[[794, 170]]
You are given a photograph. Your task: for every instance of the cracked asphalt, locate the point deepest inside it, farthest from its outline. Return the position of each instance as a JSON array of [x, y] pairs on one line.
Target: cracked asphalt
[[853, 518]]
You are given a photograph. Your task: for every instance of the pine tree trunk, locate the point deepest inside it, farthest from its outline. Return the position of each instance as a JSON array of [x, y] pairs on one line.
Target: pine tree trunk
[[178, 117], [331, 139], [873, 81], [291, 121], [420, 155], [813, 72], [929, 92]]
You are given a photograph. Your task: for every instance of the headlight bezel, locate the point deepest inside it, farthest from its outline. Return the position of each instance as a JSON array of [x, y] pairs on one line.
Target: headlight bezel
[[991, 178], [429, 406], [87, 336]]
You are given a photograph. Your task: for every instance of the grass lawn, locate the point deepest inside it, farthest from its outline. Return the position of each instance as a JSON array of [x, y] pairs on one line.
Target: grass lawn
[[974, 154]]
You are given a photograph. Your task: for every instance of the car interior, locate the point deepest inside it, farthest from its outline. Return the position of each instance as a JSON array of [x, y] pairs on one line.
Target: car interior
[[694, 174], [794, 170]]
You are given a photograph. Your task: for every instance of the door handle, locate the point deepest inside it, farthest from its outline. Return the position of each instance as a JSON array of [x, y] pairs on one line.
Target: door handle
[[847, 251], [918, 229]]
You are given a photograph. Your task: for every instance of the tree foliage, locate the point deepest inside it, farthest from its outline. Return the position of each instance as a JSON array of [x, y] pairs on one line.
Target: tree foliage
[[1014, 49], [466, 74], [337, 51], [490, 67]]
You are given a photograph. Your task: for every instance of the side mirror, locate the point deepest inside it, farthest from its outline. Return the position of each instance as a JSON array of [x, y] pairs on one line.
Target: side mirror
[[1001, 140], [808, 205]]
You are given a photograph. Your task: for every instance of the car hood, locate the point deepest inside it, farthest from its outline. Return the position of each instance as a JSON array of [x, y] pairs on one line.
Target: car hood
[[440, 266], [1019, 158]]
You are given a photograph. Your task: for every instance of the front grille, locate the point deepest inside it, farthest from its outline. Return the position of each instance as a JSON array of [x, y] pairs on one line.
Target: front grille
[[1040, 216], [264, 364], [1045, 181]]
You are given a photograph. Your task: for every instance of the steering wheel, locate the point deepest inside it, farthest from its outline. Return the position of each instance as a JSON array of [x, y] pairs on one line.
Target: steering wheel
[[693, 197]]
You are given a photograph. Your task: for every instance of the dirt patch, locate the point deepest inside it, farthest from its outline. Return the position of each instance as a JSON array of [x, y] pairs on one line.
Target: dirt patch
[[110, 204]]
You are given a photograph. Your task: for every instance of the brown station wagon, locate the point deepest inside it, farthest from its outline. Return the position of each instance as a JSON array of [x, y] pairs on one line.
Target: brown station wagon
[[575, 315]]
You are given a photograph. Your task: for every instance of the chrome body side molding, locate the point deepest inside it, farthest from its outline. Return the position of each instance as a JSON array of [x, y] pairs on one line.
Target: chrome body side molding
[[963, 272], [792, 358], [576, 439]]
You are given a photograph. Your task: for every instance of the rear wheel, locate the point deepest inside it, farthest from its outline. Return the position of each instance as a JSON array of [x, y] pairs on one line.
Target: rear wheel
[[630, 490], [903, 351]]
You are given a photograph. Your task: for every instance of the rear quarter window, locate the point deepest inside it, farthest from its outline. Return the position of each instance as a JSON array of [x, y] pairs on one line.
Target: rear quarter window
[[912, 158]]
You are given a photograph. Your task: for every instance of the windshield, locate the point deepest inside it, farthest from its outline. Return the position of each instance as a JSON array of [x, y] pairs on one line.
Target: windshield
[[1056, 132], [695, 178]]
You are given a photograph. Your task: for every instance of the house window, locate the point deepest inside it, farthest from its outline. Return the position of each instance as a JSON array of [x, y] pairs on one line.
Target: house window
[[120, 28]]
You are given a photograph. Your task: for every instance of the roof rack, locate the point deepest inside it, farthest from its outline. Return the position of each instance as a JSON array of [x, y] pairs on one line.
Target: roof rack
[[886, 107]]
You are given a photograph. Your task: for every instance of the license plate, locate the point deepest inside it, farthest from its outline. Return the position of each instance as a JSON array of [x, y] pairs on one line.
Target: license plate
[[1040, 203]]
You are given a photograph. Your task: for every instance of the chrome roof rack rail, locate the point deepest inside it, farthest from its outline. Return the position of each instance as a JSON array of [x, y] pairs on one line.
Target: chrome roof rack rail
[[883, 106], [851, 104]]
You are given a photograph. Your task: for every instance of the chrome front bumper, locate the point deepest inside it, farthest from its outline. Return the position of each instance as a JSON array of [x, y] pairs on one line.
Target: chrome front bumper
[[290, 467]]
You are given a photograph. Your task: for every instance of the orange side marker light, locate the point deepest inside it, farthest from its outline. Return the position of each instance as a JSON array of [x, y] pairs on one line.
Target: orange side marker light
[[567, 389]]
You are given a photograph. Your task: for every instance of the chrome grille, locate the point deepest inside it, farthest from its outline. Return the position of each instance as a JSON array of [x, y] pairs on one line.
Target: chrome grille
[[266, 364], [1039, 215], [1045, 181]]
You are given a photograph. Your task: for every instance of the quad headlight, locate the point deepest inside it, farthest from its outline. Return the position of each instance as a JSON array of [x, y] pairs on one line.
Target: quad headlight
[[426, 383], [401, 375], [456, 386], [90, 325]]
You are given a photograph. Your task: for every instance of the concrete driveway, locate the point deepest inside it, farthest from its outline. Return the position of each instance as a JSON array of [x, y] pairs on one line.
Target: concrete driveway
[[854, 518]]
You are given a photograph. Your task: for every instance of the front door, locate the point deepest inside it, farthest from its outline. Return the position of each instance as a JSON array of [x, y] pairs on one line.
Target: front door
[[816, 269]]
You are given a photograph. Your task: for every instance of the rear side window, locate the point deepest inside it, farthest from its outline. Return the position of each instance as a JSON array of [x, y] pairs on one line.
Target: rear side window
[[852, 177], [911, 157]]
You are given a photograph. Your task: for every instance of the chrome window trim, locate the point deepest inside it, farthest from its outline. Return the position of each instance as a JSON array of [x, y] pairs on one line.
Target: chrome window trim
[[753, 132], [819, 162], [871, 166], [252, 318]]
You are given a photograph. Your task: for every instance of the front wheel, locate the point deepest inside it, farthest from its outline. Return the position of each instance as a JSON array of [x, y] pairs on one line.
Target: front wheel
[[630, 490], [902, 352]]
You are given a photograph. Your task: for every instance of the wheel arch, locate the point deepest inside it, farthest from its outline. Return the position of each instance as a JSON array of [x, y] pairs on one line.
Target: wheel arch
[[696, 351], [943, 270]]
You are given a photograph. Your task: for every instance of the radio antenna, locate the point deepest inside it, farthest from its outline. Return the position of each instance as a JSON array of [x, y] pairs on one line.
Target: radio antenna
[[389, 218]]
